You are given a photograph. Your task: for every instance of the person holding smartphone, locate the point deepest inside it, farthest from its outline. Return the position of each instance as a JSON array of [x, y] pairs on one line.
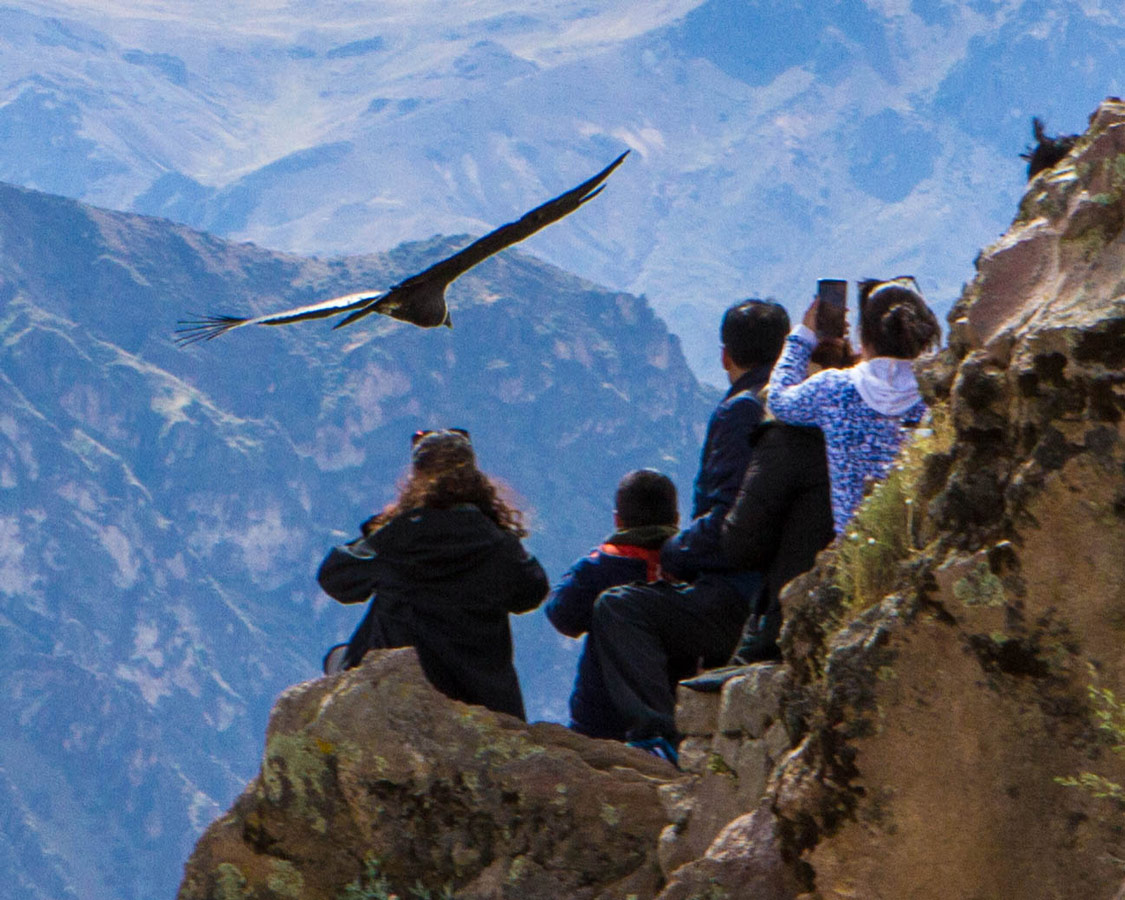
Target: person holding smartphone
[[862, 410]]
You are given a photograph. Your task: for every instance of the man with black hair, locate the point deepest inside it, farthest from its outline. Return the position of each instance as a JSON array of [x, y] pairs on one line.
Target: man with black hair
[[641, 633], [752, 333], [645, 515]]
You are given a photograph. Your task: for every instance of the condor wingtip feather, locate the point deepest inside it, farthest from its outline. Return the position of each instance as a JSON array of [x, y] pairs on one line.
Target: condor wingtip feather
[[351, 317]]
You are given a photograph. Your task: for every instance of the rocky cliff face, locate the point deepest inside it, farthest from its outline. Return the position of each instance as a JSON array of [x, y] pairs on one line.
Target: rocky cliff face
[[933, 718], [945, 662]]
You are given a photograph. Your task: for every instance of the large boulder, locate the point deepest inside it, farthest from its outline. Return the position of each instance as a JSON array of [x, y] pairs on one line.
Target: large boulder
[[373, 784]]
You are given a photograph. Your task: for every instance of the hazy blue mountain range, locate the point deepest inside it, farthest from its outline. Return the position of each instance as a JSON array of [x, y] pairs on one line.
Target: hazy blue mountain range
[[774, 143], [163, 511]]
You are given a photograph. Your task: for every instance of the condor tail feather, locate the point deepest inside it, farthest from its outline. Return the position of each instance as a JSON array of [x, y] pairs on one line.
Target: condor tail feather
[[206, 328]]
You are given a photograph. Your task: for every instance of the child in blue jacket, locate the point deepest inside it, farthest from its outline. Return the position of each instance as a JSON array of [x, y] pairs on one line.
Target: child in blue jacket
[[645, 516]]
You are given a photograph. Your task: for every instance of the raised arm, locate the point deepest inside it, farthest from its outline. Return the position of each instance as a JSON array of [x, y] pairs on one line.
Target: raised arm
[[346, 573], [792, 397]]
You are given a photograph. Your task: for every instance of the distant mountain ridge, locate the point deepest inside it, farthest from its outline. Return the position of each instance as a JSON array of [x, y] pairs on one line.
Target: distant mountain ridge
[[164, 511], [773, 144]]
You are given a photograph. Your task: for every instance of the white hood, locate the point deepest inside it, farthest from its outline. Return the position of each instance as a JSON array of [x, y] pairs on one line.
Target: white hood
[[887, 385]]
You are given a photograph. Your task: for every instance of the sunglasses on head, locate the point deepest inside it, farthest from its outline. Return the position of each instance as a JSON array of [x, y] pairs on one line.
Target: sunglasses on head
[[906, 281], [425, 432]]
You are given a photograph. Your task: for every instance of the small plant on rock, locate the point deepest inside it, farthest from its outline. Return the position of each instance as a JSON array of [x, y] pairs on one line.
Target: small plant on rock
[[1109, 712], [370, 885], [881, 533]]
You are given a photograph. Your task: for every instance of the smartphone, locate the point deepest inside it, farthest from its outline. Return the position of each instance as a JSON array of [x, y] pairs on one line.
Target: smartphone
[[832, 294]]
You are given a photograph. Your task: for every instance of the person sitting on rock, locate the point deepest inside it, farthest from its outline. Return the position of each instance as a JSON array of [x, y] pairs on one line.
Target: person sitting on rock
[[780, 520], [862, 410], [641, 633], [443, 566], [645, 515]]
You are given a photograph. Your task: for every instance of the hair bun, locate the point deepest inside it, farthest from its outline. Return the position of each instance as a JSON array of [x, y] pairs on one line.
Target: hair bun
[[895, 320]]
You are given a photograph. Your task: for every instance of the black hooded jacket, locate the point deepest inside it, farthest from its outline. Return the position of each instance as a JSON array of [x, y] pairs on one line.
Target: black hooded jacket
[[442, 581], [782, 516]]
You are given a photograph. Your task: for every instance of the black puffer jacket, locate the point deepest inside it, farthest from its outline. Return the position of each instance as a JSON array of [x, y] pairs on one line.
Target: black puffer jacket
[[782, 516], [442, 581]]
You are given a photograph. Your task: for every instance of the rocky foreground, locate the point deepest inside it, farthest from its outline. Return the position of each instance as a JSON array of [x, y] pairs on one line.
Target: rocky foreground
[[373, 781], [937, 684]]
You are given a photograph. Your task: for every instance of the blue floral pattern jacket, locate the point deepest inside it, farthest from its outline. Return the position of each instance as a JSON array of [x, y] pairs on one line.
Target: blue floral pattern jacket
[[861, 441]]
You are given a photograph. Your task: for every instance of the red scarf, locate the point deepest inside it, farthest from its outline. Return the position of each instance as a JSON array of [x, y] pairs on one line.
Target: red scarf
[[651, 556]]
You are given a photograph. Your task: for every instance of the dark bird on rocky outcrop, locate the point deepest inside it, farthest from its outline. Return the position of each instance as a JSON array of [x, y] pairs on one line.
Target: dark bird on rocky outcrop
[[420, 299], [1048, 151]]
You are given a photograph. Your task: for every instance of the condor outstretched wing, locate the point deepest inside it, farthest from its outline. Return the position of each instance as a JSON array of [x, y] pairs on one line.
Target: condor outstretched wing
[[206, 328], [443, 273], [419, 299]]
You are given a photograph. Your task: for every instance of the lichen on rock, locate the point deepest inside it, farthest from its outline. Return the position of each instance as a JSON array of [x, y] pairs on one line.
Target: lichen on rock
[[374, 783]]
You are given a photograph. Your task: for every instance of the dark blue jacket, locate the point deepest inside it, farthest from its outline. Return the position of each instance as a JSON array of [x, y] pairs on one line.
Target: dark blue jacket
[[625, 557], [726, 453]]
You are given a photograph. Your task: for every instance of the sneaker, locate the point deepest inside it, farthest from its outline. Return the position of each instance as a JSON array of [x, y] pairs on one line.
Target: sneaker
[[712, 681], [660, 747], [756, 652]]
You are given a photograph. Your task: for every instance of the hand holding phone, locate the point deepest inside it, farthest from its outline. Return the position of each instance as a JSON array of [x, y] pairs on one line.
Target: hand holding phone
[[831, 307]]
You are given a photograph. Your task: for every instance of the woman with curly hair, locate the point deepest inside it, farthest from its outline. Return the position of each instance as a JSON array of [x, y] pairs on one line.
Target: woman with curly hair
[[443, 566]]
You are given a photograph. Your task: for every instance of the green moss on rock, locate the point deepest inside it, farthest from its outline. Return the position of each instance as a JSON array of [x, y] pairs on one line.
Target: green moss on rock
[[285, 880], [229, 882], [295, 768], [980, 587]]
